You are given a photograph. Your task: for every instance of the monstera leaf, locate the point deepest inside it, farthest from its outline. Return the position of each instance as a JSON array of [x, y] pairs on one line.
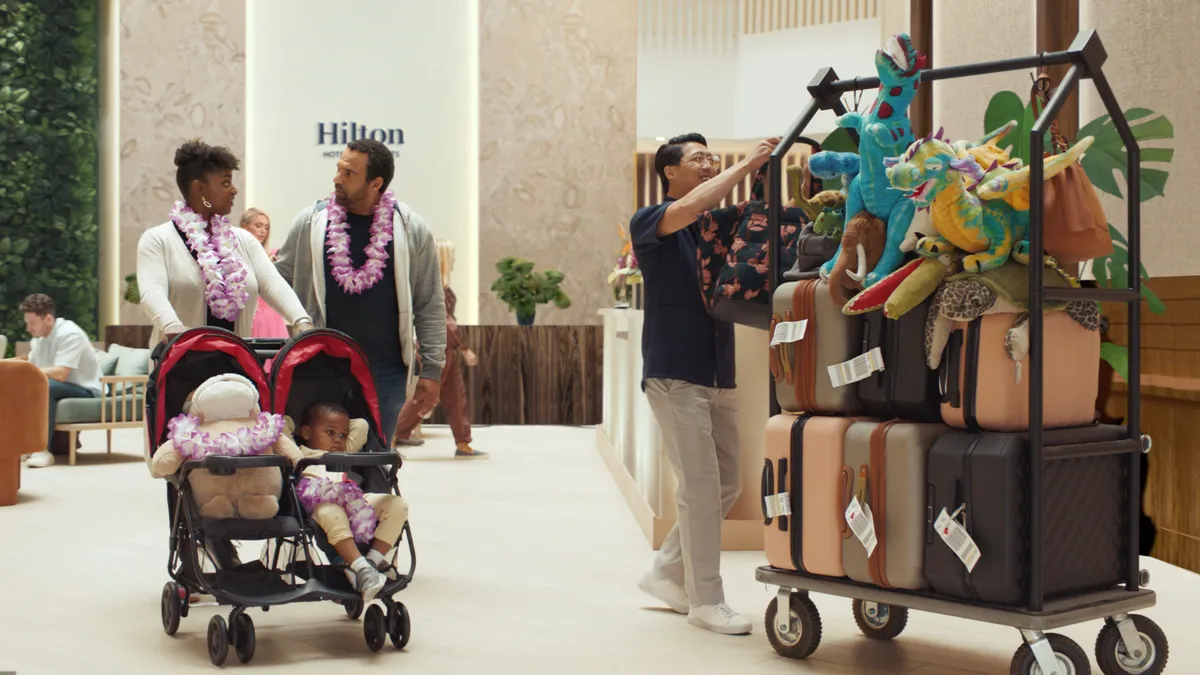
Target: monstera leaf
[[1112, 271], [1117, 357], [1108, 154], [1005, 107]]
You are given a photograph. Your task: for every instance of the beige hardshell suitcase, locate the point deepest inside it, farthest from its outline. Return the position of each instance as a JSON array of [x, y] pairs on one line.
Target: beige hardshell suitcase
[[800, 368]]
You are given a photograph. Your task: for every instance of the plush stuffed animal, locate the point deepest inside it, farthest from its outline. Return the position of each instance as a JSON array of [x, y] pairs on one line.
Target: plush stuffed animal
[[224, 419]]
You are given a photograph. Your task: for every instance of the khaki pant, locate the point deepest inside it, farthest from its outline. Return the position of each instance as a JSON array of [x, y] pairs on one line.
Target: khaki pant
[[391, 510], [700, 437]]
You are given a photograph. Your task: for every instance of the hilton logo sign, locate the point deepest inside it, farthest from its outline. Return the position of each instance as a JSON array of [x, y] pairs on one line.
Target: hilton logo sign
[[340, 133]]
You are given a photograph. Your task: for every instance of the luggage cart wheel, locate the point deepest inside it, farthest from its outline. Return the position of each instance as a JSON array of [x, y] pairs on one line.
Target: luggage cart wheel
[[399, 625], [243, 637], [879, 621], [796, 634], [1049, 654], [354, 608], [172, 607], [1149, 652], [375, 628], [218, 640]]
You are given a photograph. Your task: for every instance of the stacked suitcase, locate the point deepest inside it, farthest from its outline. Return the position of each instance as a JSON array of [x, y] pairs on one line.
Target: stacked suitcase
[[883, 471]]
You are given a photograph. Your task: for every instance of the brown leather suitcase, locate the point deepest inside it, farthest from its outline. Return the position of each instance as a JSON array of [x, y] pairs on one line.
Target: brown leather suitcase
[[887, 461], [984, 389], [800, 368]]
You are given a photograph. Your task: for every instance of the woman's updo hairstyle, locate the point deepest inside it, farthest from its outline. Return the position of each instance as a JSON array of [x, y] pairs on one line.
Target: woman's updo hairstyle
[[195, 159]]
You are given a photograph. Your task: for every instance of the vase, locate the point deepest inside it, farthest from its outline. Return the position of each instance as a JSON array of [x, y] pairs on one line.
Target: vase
[[525, 319]]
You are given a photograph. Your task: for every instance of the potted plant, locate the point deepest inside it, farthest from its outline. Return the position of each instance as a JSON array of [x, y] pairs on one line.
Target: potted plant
[[132, 295], [523, 290], [626, 276]]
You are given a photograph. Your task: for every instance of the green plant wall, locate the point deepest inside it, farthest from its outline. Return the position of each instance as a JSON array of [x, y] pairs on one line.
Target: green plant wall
[[49, 114]]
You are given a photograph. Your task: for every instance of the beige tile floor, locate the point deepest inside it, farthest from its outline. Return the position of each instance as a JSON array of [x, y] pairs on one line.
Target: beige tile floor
[[527, 564]]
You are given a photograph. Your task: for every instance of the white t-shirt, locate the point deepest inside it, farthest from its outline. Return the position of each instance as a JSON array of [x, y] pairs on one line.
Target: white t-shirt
[[69, 347]]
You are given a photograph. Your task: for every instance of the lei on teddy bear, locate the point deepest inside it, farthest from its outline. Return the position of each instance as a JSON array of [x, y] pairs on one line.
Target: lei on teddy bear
[[224, 419]]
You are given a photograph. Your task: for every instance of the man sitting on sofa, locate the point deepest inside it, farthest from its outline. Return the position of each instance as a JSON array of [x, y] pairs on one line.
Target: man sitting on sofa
[[65, 354]]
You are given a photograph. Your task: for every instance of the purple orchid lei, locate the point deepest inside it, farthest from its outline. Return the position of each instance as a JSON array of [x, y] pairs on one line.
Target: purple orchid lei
[[223, 271], [313, 491], [337, 242], [191, 443]]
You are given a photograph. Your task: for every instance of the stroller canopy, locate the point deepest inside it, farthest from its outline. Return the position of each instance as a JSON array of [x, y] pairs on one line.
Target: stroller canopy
[[324, 366], [186, 362]]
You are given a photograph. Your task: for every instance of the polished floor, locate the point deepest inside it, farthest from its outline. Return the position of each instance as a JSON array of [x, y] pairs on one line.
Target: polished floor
[[528, 563]]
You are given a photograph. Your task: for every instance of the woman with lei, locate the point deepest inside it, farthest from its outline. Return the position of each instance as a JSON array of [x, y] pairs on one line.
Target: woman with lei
[[196, 269]]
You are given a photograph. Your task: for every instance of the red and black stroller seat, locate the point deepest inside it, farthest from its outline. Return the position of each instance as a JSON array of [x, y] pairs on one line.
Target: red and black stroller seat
[[327, 366]]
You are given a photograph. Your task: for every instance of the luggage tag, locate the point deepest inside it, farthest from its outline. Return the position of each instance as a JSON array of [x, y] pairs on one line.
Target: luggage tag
[[778, 505], [856, 369], [859, 518], [955, 535], [789, 331]]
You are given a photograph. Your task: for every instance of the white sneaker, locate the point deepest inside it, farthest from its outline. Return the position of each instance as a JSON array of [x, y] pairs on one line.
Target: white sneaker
[[40, 459], [366, 580], [719, 619], [668, 592]]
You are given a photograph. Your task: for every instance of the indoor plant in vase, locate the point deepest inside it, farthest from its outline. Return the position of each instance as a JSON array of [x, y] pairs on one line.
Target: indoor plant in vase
[[523, 290], [625, 277]]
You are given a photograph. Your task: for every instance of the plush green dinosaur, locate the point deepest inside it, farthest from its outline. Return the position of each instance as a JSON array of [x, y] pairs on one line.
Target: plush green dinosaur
[[984, 212]]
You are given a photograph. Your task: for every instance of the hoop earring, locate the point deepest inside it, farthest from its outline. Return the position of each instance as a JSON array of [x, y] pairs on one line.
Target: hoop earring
[[205, 202]]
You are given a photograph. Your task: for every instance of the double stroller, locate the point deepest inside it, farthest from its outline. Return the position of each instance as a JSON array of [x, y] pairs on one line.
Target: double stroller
[[317, 366]]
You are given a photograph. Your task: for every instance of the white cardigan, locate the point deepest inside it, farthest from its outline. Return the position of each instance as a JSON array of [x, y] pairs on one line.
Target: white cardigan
[[172, 286]]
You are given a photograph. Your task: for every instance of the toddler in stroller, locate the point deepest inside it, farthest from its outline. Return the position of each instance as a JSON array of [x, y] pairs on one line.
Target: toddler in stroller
[[346, 515]]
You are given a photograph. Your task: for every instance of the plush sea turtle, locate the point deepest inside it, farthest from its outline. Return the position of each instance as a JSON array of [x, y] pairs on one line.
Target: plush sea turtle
[[966, 297]]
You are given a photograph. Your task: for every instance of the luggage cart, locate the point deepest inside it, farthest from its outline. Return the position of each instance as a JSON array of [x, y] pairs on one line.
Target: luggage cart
[[1128, 643]]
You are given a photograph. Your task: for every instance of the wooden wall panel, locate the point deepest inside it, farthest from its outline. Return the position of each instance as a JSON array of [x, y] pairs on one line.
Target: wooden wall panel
[[1170, 413], [134, 336], [534, 375], [1057, 26]]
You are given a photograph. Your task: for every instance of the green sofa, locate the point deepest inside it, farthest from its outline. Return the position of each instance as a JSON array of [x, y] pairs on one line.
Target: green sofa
[[124, 373]]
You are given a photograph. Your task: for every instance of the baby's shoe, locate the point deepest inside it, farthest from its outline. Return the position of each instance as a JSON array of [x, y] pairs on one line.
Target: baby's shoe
[[365, 579], [381, 563]]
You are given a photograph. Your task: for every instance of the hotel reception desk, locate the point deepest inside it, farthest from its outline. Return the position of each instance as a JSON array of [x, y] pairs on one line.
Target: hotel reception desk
[[630, 440]]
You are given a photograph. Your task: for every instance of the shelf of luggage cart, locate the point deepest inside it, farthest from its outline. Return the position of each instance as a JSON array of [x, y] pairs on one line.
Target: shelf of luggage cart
[[1128, 643]]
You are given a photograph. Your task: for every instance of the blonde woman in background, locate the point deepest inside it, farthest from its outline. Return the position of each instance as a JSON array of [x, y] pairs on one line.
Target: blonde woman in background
[[453, 393], [267, 323]]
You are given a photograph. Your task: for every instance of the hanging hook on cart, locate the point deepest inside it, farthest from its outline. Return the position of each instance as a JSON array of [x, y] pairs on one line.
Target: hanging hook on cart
[[857, 98]]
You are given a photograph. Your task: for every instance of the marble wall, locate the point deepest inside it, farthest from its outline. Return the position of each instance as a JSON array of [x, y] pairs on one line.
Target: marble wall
[[558, 96], [1152, 52], [183, 76]]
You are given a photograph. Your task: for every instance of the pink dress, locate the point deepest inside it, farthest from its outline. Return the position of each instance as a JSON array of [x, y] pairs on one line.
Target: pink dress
[[267, 324]]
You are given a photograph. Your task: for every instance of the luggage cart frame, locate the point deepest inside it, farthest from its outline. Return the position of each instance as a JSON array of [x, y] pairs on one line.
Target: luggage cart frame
[[1127, 643]]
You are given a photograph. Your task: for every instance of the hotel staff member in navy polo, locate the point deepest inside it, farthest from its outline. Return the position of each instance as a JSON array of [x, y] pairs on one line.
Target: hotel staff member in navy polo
[[688, 377]]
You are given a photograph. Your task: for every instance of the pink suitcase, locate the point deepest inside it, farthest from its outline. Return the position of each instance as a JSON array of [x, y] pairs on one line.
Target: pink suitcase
[[985, 389], [802, 486]]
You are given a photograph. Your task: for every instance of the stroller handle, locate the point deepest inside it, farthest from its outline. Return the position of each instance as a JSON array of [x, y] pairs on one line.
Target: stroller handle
[[266, 348], [343, 460], [226, 466]]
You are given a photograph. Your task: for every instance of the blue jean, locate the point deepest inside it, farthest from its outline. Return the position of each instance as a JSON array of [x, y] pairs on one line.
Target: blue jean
[[391, 379], [59, 391]]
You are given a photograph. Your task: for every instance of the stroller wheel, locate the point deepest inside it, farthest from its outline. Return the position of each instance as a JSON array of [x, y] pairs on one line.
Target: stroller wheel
[[354, 608], [399, 629], [374, 628], [218, 640], [243, 637], [172, 607]]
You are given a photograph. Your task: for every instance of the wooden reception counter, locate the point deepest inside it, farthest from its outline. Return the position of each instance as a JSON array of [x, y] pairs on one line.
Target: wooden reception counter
[[630, 442]]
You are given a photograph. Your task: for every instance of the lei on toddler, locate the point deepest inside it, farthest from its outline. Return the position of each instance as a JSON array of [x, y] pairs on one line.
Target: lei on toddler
[[191, 443], [223, 271], [337, 241], [346, 494]]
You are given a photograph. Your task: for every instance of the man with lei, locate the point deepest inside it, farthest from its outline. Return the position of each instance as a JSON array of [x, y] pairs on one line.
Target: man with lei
[[366, 264]]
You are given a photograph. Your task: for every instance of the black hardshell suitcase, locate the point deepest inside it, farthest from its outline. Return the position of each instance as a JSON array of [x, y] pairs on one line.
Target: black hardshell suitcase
[[906, 388], [1084, 524]]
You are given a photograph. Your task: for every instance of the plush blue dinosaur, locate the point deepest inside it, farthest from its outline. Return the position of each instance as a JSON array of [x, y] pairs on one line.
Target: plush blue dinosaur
[[883, 132]]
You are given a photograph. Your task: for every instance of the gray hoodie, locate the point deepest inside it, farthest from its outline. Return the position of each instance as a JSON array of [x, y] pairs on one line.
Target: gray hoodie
[[301, 262]]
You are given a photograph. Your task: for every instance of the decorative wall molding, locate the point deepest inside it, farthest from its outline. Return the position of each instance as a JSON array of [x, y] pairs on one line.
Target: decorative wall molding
[[715, 25]]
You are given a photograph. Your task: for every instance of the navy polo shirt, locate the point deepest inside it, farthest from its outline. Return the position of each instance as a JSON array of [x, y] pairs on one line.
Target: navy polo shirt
[[679, 339]]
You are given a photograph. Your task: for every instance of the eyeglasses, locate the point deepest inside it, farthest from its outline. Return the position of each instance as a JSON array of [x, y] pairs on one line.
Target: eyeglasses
[[700, 159]]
